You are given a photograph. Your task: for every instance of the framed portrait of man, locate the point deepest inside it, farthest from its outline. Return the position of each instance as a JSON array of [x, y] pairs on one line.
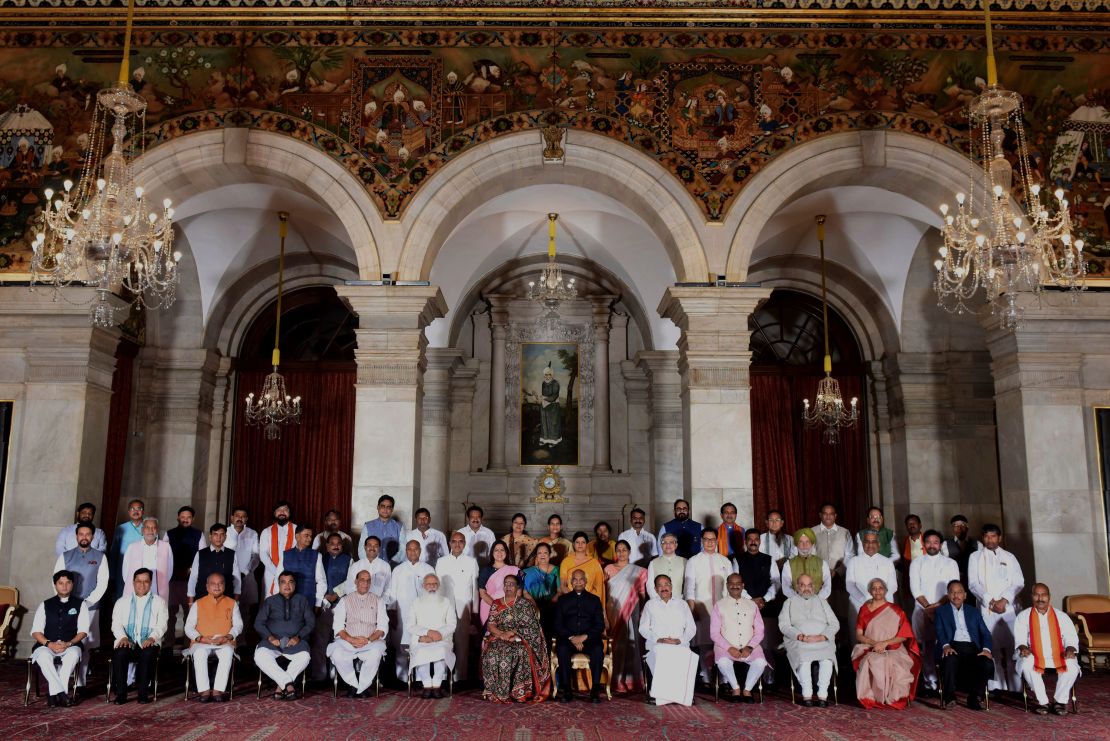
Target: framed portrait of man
[[548, 404]]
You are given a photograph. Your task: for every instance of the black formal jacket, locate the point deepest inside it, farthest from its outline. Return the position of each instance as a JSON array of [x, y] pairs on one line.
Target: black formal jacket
[[579, 614], [756, 572]]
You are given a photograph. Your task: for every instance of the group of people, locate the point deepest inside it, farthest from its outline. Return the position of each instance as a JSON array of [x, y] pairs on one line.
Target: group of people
[[683, 606]]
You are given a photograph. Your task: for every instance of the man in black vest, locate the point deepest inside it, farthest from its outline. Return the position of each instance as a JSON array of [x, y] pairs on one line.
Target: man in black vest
[[215, 559], [757, 570], [185, 540], [959, 548], [579, 624], [60, 624]]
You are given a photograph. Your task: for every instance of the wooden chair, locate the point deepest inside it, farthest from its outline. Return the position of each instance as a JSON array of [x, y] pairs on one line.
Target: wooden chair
[[33, 676], [187, 660], [157, 666], [412, 676], [1071, 706], [813, 668], [1091, 615], [581, 662], [9, 596]]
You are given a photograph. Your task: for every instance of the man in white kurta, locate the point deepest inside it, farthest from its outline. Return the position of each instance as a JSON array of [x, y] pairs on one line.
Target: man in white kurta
[[994, 577], [433, 543], [361, 624], [929, 576], [667, 627], [405, 585], [430, 626], [668, 564], [244, 541], [644, 545], [479, 538], [458, 582], [868, 565], [706, 573], [67, 536], [273, 542], [380, 572], [212, 625], [1047, 639]]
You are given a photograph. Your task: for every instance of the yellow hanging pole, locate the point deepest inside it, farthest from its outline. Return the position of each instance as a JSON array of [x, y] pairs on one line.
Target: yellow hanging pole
[[824, 292], [125, 64], [551, 235], [283, 231], [992, 67]]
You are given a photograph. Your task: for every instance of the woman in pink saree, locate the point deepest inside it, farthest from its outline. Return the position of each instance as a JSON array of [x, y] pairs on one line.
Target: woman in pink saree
[[886, 656], [491, 579], [627, 592]]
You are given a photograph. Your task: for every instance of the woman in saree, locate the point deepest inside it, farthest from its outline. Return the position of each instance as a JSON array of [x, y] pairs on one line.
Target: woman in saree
[[627, 592], [541, 581], [515, 662], [560, 546], [580, 558], [886, 656], [520, 543], [491, 578]]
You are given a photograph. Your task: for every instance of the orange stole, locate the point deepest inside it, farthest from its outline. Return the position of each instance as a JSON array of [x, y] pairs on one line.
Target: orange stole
[[1035, 641], [214, 618], [275, 554]]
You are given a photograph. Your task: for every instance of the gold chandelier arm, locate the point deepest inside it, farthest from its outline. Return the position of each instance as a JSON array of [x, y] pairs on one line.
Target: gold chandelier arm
[[992, 68], [283, 230], [125, 64], [824, 291], [551, 235]]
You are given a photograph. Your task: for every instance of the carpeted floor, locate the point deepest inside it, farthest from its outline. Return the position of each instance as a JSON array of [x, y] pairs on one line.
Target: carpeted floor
[[394, 717]]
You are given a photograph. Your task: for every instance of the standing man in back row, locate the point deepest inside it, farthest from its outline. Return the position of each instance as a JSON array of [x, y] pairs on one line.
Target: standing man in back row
[[387, 530], [273, 542], [687, 531], [994, 577], [185, 542]]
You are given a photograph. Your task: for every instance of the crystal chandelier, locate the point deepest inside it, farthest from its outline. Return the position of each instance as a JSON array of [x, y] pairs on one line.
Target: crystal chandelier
[[992, 242], [101, 231], [828, 411], [551, 289], [275, 407]]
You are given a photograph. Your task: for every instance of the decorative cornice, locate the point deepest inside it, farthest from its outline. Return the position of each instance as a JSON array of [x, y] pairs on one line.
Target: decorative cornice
[[388, 373]]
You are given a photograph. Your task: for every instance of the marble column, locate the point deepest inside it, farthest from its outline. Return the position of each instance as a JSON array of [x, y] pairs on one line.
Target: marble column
[[601, 309], [499, 331], [716, 405], [464, 384], [435, 453], [388, 393], [667, 456]]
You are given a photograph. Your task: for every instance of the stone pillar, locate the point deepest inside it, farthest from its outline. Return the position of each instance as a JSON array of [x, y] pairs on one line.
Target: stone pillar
[[217, 501], [637, 392], [667, 454], [388, 393], [601, 307], [58, 371], [464, 383], [1047, 375], [435, 446], [716, 407], [499, 331]]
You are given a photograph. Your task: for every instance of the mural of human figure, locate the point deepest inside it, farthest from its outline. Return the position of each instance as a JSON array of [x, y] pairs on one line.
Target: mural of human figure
[[551, 411]]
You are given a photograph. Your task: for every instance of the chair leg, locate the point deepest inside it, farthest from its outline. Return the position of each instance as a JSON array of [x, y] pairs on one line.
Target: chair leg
[[108, 690], [188, 675], [30, 677], [761, 691], [157, 671], [259, 694]]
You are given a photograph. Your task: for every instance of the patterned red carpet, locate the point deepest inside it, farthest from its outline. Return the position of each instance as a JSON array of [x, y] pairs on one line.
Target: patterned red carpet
[[397, 718]]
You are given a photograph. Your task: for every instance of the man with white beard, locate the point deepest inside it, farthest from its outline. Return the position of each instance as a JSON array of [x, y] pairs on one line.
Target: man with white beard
[[405, 585], [430, 625]]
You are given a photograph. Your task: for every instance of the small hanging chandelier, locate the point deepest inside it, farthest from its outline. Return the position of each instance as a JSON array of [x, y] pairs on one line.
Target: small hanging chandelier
[[828, 411], [274, 406], [101, 231], [551, 289], [993, 243]]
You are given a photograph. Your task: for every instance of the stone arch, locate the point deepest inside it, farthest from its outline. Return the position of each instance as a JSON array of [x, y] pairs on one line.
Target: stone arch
[[592, 161]]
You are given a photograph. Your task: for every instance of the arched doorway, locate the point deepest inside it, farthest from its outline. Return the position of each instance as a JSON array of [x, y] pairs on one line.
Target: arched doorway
[[793, 470], [311, 464]]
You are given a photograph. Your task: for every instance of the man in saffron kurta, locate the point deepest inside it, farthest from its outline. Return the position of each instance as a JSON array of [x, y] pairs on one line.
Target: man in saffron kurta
[[361, 624], [212, 626], [1047, 639], [737, 631]]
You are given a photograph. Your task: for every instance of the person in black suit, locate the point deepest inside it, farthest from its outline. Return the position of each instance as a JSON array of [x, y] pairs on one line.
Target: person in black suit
[[963, 648], [756, 569], [579, 624]]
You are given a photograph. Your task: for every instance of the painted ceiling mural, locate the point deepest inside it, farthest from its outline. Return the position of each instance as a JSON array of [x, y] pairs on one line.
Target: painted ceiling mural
[[713, 105]]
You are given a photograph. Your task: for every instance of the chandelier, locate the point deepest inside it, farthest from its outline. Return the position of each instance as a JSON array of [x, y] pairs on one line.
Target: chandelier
[[993, 242], [551, 289], [101, 231], [828, 411], [275, 407]]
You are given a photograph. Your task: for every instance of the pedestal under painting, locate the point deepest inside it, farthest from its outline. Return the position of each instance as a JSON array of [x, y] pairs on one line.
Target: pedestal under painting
[[548, 407]]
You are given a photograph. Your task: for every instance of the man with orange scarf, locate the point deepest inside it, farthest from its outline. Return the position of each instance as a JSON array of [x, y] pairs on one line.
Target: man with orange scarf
[[1047, 639], [730, 536], [273, 542]]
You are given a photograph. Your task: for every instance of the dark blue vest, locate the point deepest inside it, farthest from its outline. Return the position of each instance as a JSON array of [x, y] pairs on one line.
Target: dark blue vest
[[303, 564], [209, 562], [184, 542], [61, 618], [336, 568], [688, 533]]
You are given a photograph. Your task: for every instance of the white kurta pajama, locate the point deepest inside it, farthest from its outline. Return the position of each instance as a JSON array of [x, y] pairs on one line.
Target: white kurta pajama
[[929, 577], [380, 576], [704, 583], [458, 582], [405, 585], [809, 616], [1066, 675], [673, 667], [433, 545], [431, 660], [343, 654], [993, 575], [245, 545], [200, 652], [274, 561]]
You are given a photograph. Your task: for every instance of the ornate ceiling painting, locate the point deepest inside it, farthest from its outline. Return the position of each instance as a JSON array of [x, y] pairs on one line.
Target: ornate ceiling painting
[[395, 90]]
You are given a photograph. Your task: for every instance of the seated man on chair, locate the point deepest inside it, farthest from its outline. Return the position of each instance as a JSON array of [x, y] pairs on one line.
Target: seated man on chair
[[736, 628], [60, 624], [139, 623], [809, 627], [667, 627], [430, 626], [579, 624], [212, 626], [1047, 639], [963, 647], [360, 624], [285, 621]]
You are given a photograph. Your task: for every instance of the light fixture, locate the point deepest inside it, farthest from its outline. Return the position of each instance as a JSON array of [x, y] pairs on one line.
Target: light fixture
[[102, 230], [991, 241], [551, 133], [275, 407], [551, 289], [828, 411]]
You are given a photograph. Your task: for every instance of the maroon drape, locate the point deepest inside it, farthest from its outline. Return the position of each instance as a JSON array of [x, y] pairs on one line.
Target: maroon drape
[[774, 469], [311, 465], [835, 473], [119, 417]]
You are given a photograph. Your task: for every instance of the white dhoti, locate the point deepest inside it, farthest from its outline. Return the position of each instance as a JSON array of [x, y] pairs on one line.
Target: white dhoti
[[925, 629], [224, 656], [1064, 680], [1007, 676], [673, 672], [343, 655], [755, 671], [432, 661], [57, 677], [266, 660]]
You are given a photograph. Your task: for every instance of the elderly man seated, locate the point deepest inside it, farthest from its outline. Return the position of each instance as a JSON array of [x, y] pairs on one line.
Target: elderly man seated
[[736, 628], [361, 624], [667, 627], [212, 626], [430, 626], [139, 623], [60, 624], [1046, 639], [809, 628], [285, 621]]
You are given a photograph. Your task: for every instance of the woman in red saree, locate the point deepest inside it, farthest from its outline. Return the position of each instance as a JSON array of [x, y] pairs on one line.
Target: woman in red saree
[[515, 663], [886, 656]]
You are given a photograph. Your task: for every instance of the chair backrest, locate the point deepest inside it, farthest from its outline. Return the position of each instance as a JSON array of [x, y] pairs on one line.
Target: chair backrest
[[1083, 603], [9, 596]]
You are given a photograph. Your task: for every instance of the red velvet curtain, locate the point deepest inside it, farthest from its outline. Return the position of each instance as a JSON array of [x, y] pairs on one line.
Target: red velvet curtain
[[774, 468], [119, 417], [311, 465]]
